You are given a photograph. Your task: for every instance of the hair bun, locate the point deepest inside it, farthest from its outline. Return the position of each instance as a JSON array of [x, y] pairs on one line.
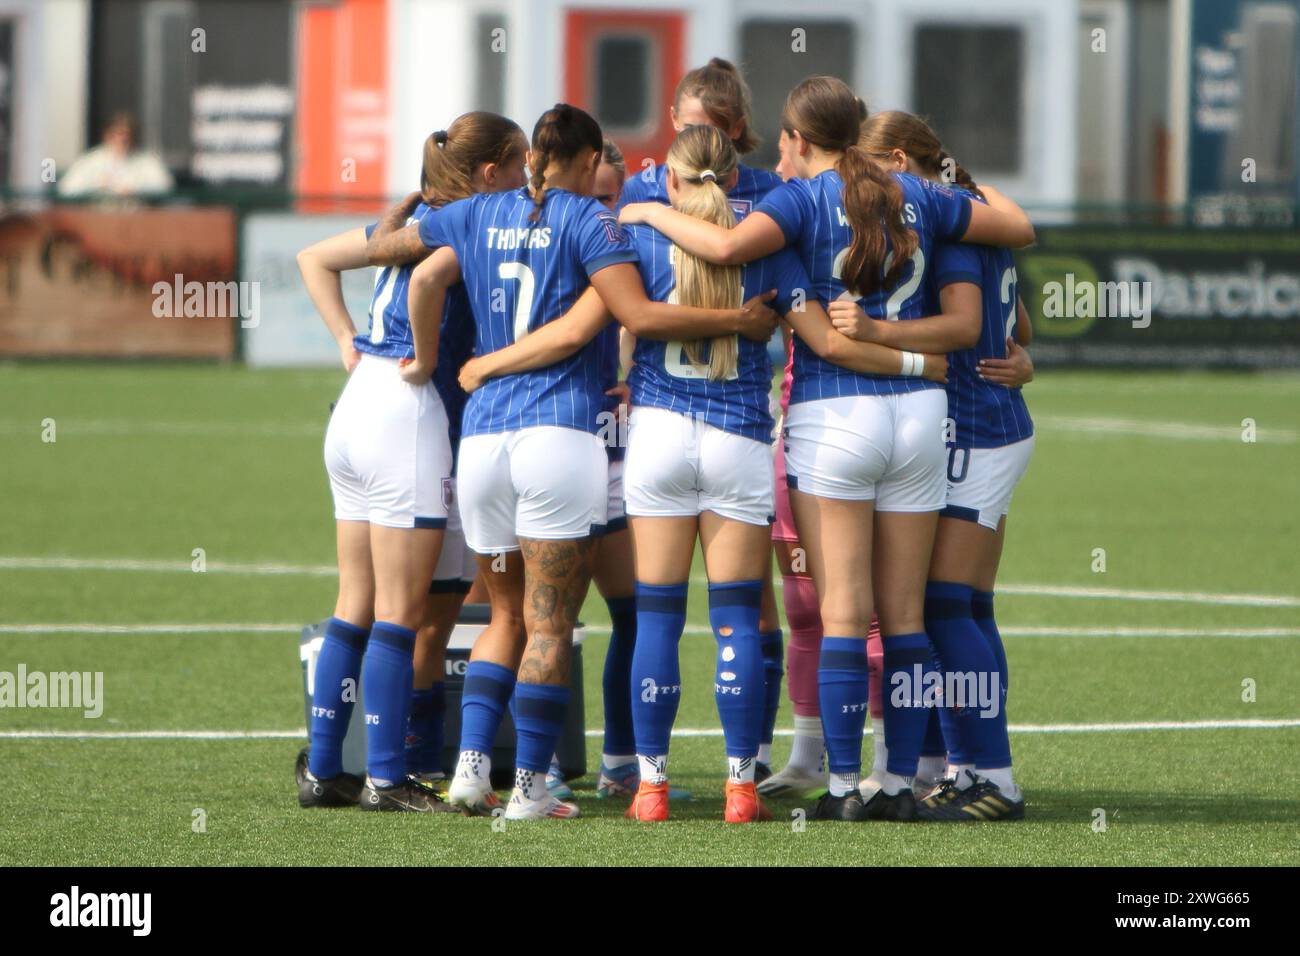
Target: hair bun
[[440, 137], [863, 112], [718, 63]]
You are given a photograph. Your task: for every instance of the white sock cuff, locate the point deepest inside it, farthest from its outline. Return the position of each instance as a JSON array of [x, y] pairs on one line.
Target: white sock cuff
[[808, 726]]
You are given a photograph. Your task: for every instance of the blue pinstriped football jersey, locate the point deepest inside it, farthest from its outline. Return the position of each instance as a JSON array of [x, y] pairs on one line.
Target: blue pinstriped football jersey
[[455, 346], [751, 186], [810, 213], [987, 415], [609, 363], [390, 323], [520, 275], [390, 332], [663, 376]]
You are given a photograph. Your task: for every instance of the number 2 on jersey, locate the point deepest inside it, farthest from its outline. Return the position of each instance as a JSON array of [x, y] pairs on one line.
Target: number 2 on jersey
[[1008, 298], [899, 297]]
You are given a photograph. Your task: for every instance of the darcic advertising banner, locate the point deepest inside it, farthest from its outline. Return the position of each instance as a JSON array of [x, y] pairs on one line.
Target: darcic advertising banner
[[1163, 297], [88, 282]]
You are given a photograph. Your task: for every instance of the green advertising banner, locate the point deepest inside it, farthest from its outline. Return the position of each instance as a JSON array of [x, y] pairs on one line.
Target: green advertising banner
[[1163, 297]]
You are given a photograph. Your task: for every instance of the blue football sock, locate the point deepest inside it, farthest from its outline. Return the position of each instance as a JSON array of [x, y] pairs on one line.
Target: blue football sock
[[425, 729], [1000, 741], [656, 683], [842, 694], [488, 687], [539, 711], [334, 691], [739, 686], [970, 671], [982, 611], [773, 645], [617, 679], [386, 671], [937, 732], [908, 664]]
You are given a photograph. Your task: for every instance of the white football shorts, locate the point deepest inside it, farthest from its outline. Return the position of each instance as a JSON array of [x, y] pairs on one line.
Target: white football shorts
[[678, 465], [387, 451], [545, 482], [456, 568], [886, 448], [615, 510], [982, 480]]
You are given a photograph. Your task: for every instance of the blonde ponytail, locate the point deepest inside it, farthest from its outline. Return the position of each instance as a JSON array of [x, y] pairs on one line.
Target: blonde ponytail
[[703, 155]]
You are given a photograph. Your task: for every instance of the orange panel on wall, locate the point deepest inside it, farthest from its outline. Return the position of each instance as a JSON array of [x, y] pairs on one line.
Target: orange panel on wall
[[343, 104]]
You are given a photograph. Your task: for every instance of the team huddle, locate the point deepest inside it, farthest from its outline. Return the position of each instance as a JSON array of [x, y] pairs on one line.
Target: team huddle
[[567, 379]]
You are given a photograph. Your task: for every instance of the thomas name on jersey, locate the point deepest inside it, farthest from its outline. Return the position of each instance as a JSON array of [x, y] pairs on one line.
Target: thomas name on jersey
[[518, 238]]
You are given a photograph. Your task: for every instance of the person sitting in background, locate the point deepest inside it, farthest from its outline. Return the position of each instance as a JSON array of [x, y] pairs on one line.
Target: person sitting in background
[[115, 168]]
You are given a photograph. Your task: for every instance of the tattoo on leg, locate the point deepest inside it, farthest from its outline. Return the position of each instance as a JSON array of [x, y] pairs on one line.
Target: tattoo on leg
[[546, 660], [557, 574], [543, 600]]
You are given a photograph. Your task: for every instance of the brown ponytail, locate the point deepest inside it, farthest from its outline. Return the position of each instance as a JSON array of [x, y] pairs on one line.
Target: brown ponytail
[[561, 133], [873, 204], [725, 97], [885, 132], [827, 114], [451, 156]]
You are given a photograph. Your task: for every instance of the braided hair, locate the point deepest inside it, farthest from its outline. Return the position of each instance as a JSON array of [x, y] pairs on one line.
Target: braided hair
[[561, 134]]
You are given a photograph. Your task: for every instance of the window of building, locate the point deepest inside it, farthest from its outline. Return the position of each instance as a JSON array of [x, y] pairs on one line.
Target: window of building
[[775, 57], [968, 81], [624, 81]]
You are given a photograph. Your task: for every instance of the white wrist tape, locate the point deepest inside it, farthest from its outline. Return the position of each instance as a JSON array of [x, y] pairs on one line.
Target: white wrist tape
[[913, 364]]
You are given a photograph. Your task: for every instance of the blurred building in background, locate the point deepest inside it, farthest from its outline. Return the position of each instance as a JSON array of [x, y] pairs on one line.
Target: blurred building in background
[[1059, 101], [1179, 114]]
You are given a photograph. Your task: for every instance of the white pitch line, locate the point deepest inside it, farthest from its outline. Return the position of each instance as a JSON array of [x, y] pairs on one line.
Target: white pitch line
[[25, 563], [1182, 431], [691, 630], [1229, 599], [1107, 728], [152, 734], [1232, 632], [1099, 425], [1284, 724], [1252, 724], [74, 427], [1227, 632], [229, 628], [15, 563]]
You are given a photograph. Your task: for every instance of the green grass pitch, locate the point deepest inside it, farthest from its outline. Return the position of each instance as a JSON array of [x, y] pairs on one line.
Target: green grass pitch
[[153, 461]]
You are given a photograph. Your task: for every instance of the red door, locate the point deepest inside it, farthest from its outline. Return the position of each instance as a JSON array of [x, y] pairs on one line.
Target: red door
[[622, 67]]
